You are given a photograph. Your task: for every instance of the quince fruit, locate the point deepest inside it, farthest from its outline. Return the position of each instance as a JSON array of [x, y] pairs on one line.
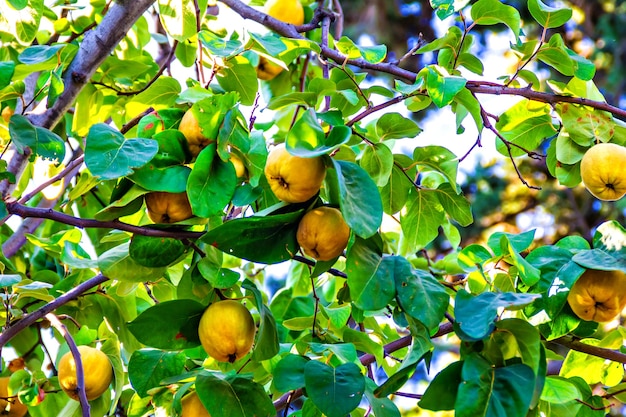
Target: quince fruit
[[16, 408], [240, 168], [192, 406], [227, 330], [288, 11], [598, 295], [190, 128], [96, 367], [166, 207], [266, 70], [602, 171], [291, 178], [323, 234]]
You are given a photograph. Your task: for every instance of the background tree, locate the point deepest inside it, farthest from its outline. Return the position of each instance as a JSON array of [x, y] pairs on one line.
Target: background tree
[[445, 298]]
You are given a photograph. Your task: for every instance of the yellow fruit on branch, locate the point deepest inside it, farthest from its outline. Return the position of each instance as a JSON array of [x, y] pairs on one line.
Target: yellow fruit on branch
[[288, 11], [96, 367], [190, 128], [192, 406], [598, 295], [293, 179], [603, 172], [15, 407], [323, 234], [226, 330], [240, 167], [267, 70], [166, 207]]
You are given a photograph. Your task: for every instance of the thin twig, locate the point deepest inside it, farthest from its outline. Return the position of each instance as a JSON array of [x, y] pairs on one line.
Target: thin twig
[[80, 374]]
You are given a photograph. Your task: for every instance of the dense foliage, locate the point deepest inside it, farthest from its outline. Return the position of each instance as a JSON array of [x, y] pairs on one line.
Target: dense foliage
[[424, 311]]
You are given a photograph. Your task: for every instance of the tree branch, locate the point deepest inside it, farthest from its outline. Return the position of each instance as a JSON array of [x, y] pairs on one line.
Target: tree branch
[[13, 207], [572, 343], [29, 319]]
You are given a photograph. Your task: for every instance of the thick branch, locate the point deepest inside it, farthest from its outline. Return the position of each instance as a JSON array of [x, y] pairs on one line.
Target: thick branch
[[31, 318], [14, 207], [570, 342]]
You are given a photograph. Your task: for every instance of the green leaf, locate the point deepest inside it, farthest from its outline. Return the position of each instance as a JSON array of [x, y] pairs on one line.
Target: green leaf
[[525, 124], [239, 76], [23, 23], [443, 89], [559, 390], [455, 205], [438, 159], [395, 192], [211, 184], [217, 45], [528, 341], [39, 53], [116, 263], [609, 236], [548, 17], [491, 12], [373, 54], [381, 406], [289, 372], [171, 179], [9, 280], [476, 315], [155, 251], [377, 160], [170, 325], [594, 369], [442, 391], [395, 126], [270, 239], [519, 242], [178, 18], [370, 276], [494, 392], [162, 93], [266, 345], [359, 199], [334, 391], [601, 260], [233, 396], [420, 294], [109, 155], [307, 139], [42, 142], [148, 367], [421, 220]]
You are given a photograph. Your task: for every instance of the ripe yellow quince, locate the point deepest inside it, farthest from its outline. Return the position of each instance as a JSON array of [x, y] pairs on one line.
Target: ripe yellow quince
[[16, 408], [166, 207], [97, 369], [603, 171], [227, 330], [291, 178], [288, 11], [192, 406], [240, 167], [323, 234], [598, 295], [190, 128], [266, 70]]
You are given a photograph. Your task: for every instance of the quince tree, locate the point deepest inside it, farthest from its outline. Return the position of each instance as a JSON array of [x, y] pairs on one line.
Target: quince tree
[[239, 207]]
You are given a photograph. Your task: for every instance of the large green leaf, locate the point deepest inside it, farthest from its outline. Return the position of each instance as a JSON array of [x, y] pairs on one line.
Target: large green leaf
[[42, 142], [455, 204], [419, 293], [421, 220], [360, 201], [370, 275], [396, 126], [239, 76], [493, 392], [377, 160], [109, 155], [178, 18], [334, 391], [116, 263], [600, 259], [546, 16], [148, 367], [442, 88], [491, 12], [307, 139], [266, 344], [233, 396], [476, 315], [211, 183], [381, 406], [23, 23], [442, 391], [289, 372], [155, 251], [270, 239]]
